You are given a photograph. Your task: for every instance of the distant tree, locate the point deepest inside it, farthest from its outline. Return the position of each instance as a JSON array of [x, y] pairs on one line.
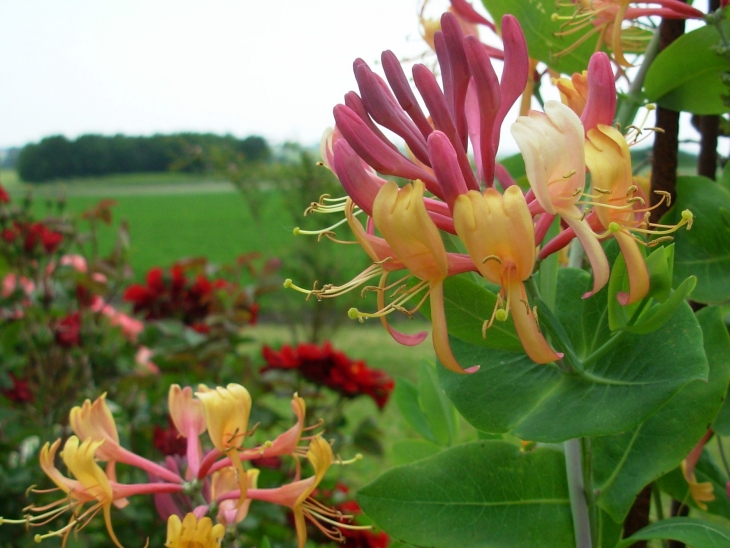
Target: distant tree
[[255, 149], [92, 155]]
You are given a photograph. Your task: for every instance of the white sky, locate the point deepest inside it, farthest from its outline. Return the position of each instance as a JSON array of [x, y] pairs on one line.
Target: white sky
[[269, 67]]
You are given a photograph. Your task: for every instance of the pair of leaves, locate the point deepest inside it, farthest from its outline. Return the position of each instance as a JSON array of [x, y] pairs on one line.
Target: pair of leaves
[[651, 315], [622, 386], [427, 409], [686, 76]]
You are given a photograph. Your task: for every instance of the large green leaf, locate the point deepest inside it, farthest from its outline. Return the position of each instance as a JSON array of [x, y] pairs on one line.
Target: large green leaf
[[484, 494], [621, 388], [535, 17], [703, 251], [696, 532], [687, 74], [625, 463]]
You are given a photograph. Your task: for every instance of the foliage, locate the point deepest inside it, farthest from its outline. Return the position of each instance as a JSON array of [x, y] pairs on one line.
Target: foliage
[[57, 157]]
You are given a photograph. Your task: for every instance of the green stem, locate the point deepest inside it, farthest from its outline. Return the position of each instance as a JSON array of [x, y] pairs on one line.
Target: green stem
[[722, 454], [632, 101], [587, 461], [603, 349], [577, 492]]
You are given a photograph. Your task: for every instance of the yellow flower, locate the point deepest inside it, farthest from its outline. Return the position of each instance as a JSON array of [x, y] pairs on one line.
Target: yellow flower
[[401, 217], [700, 492], [95, 421], [497, 231], [91, 484], [193, 532], [226, 414]]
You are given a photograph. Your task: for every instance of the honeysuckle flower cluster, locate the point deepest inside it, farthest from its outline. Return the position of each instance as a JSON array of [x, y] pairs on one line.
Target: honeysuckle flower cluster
[[500, 231], [191, 493], [605, 18], [332, 368]]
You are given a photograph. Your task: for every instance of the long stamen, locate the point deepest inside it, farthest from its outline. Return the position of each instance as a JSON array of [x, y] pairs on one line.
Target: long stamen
[[396, 305], [330, 291]]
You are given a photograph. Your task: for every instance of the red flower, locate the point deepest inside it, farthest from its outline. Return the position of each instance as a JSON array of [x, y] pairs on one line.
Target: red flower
[[34, 234], [168, 440], [4, 196], [333, 369], [20, 392], [9, 235], [50, 240], [68, 330]]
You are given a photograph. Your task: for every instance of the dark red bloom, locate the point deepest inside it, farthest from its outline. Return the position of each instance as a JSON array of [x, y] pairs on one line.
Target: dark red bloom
[[333, 369], [33, 234], [168, 440], [20, 392], [9, 235], [68, 330], [4, 196]]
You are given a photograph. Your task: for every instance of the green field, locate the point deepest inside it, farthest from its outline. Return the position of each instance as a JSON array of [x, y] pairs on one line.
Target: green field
[[173, 216]]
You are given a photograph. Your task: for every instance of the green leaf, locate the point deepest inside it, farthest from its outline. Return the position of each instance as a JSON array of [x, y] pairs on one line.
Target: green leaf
[[535, 17], [625, 463], [618, 315], [436, 406], [467, 306], [484, 494], [408, 451], [609, 532], [265, 543], [652, 319], [406, 398], [622, 386], [703, 251], [686, 75], [696, 532]]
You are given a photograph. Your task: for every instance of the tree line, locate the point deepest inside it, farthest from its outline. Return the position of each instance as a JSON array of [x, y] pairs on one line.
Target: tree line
[[57, 157]]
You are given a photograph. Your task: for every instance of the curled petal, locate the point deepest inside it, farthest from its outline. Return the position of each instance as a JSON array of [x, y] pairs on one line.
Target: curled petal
[[440, 331], [533, 341], [635, 268]]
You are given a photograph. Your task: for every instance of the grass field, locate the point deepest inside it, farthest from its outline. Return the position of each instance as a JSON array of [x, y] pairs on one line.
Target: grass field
[[173, 216]]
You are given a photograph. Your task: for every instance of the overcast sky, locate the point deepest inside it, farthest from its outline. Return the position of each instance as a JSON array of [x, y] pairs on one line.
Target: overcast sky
[[269, 67]]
